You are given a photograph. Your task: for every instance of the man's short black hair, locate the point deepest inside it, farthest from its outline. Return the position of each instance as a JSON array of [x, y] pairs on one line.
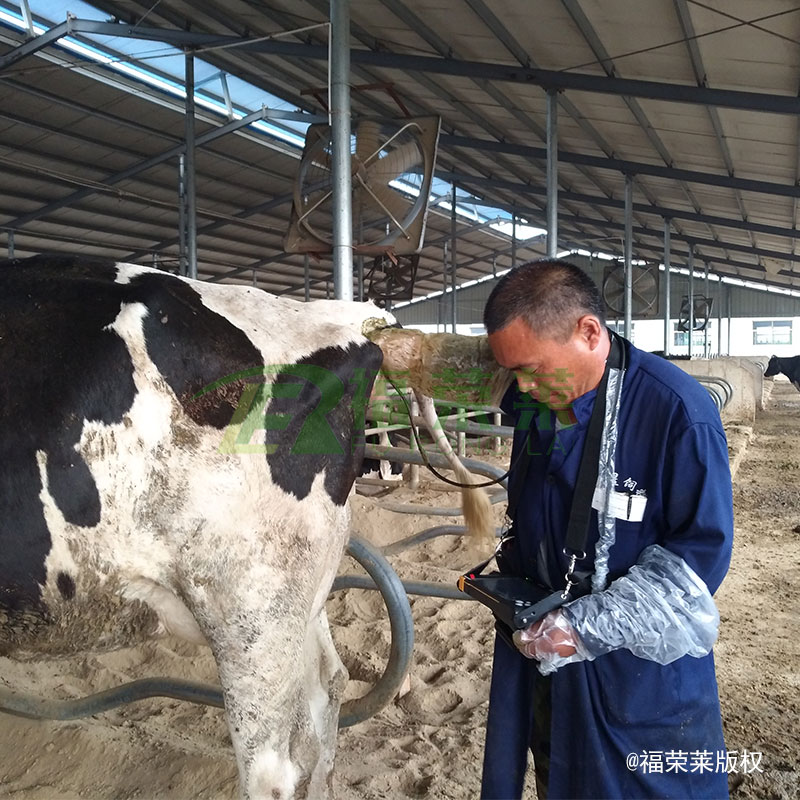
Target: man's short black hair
[[549, 295]]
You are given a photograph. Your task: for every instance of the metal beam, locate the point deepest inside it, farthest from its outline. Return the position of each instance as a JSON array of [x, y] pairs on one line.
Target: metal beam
[[696, 58], [148, 203], [220, 223], [694, 241], [262, 265], [548, 79], [435, 87], [642, 247], [708, 321], [500, 31], [135, 169], [658, 252], [39, 125], [588, 32], [34, 45], [643, 208], [620, 165], [719, 318]]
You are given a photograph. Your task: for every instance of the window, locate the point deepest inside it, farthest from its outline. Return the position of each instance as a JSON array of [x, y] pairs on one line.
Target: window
[[772, 332], [681, 338], [618, 326]]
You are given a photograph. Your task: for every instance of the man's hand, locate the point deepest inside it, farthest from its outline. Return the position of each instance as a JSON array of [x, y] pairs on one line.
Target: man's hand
[[552, 641]]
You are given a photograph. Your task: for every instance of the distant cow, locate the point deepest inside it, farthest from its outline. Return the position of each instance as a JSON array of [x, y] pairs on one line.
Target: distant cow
[[790, 367], [176, 457]]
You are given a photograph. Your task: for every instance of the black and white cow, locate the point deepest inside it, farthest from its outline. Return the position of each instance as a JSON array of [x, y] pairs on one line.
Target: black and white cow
[[176, 457], [790, 367]]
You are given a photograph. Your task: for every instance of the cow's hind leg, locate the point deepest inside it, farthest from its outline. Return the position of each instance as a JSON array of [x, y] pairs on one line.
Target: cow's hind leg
[[326, 679], [262, 625]]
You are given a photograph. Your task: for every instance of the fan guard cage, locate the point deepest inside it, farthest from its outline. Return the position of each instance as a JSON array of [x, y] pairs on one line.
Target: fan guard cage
[[644, 290], [392, 278], [702, 312], [382, 152]]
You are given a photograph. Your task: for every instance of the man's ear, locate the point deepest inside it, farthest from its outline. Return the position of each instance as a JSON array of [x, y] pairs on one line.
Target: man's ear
[[590, 330]]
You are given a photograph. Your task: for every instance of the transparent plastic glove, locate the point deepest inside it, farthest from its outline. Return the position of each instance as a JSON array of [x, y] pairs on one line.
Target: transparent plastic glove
[[552, 641], [660, 610]]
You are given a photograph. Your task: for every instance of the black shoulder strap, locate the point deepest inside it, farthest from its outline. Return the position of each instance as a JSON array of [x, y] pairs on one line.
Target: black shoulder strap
[[516, 480], [581, 510]]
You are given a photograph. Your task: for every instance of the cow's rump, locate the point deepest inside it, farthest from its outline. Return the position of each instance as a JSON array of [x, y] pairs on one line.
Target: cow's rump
[[176, 457]]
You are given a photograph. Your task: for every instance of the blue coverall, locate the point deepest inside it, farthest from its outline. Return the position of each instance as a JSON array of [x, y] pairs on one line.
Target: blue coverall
[[672, 446]]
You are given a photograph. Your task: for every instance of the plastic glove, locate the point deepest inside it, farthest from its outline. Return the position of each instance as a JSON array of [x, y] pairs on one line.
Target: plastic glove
[[552, 641], [660, 610]]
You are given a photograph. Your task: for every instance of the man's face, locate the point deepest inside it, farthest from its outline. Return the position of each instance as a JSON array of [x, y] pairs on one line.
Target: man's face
[[550, 371]]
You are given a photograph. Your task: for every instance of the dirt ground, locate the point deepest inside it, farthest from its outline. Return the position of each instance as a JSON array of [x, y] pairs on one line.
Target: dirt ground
[[429, 743], [758, 653]]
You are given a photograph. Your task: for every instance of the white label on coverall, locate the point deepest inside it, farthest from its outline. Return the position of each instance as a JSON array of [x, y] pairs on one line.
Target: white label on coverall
[[628, 507]]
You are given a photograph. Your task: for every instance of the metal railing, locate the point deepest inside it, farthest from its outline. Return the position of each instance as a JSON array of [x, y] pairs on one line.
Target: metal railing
[[720, 389], [381, 577]]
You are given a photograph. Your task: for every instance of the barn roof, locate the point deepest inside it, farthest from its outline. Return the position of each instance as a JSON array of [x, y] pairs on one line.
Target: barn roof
[[696, 102]]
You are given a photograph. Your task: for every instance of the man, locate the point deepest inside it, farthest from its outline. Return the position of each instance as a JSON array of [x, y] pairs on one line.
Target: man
[[628, 705]]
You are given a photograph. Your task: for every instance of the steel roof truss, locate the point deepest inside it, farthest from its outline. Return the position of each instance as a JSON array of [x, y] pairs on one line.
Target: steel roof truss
[[34, 45], [642, 208], [626, 167], [135, 169], [548, 79]]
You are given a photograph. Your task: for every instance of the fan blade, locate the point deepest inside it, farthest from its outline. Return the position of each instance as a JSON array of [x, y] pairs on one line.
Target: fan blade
[[397, 162], [386, 205], [367, 139]]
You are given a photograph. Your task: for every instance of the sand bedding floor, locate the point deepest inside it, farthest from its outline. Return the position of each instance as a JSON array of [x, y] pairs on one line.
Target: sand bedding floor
[[429, 743]]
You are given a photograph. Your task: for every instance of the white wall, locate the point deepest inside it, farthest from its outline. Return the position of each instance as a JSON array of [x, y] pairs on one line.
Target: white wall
[[648, 334]]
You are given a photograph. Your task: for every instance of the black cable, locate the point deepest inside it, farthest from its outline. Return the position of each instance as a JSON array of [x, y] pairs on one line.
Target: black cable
[[433, 469]]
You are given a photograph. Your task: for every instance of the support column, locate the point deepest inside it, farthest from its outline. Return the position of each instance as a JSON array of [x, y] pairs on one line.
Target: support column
[[340, 139], [11, 244], [667, 288], [719, 316], [306, 278], [690, 264], [552, 173], [453, 265], [708, 320], [728, 294], [513, 243], [628, 257], [191, 206], [182, 259]]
